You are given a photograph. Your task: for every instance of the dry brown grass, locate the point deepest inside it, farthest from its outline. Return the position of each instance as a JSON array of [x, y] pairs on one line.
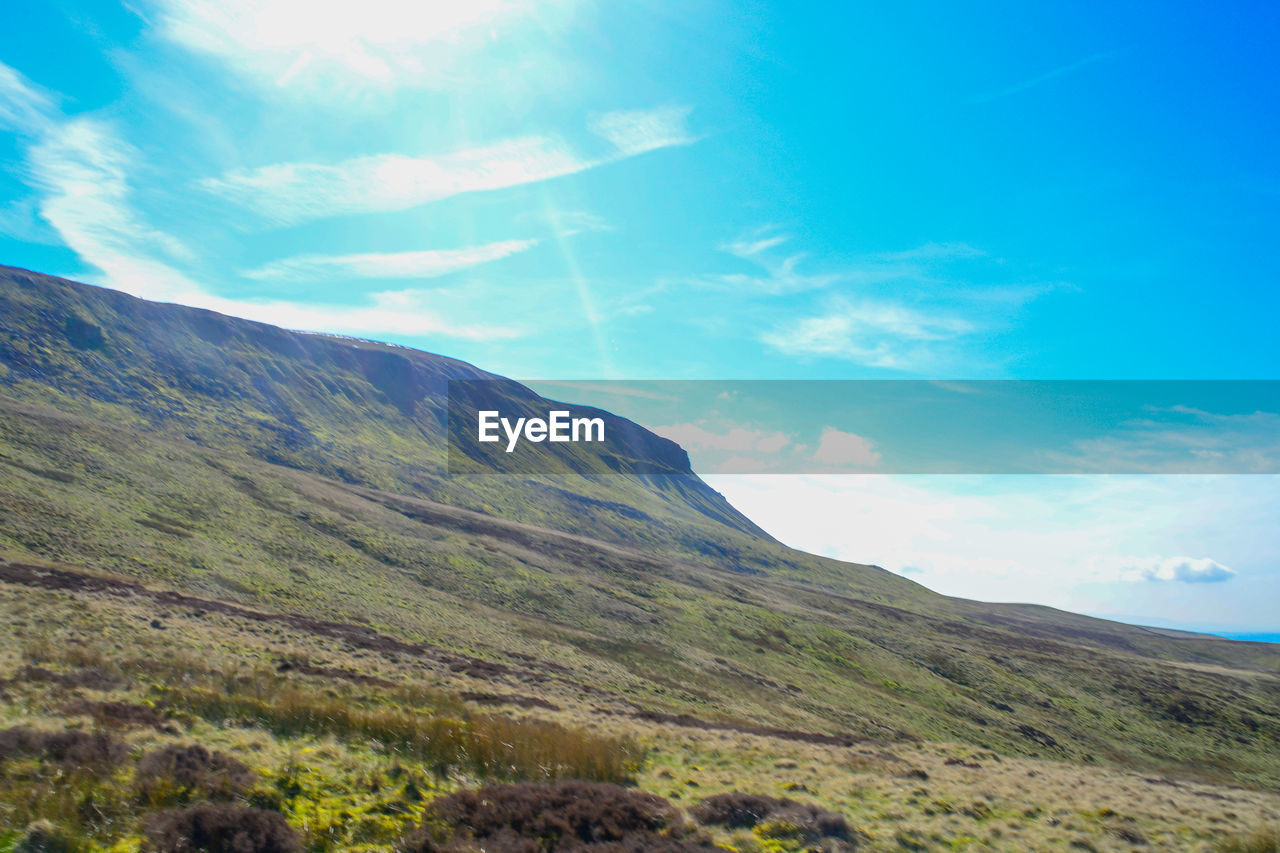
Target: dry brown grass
[[1265, 839], [488, 746], [360, 791]]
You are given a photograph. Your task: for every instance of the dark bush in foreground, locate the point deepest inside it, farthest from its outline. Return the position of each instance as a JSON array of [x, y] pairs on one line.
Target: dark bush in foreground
[[737, 810], [121, 714], [179, 774], [44, 837], [546, 818], [72, 748], [94, 679], [220, 828]]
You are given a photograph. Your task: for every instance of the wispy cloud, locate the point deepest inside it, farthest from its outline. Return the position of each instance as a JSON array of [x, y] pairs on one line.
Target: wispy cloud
[[1182, 439], [781, 270], [786, 275], [80, 171], [776, 274], [565, 223], [1039, 79], [392, 312], [637, 131], [424, 264], [755, 241], [20, 219], [24, 107], [898, 309], [296, 192], [931, 252], [875, 333], [331, 48]]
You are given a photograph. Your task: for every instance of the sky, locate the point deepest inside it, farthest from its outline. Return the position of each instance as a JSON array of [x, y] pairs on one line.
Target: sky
[[571, 189]]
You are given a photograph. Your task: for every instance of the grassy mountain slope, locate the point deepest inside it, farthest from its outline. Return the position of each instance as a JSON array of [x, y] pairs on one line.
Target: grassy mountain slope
[[303, 474]]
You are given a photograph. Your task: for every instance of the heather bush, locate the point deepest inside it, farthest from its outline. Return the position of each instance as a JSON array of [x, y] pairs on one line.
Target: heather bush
[[220, 828], [93, 679], [738, 810], [546, 818], [121, 715], [74, 749], [180, 774], [43, 837]]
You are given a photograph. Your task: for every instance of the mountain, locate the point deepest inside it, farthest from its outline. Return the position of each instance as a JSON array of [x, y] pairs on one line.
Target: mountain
[[177, 452]]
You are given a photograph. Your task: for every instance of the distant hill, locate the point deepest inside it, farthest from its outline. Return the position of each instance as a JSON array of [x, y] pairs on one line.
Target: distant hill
[[304, 473]]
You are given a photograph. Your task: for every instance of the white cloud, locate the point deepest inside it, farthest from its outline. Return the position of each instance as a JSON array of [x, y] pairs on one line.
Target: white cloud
[[81, 169], [1184, 440], [637, 131], [392, 312], [840, 449], [1167, 569], [297, 192], [868, 314], [1043, 539], [933, 252], [424, 264], [777, 275], [737, 439], [754, 242], [329, 47], [784, 275], [566, 223], [24, 107], [876, 333], [20, 219]]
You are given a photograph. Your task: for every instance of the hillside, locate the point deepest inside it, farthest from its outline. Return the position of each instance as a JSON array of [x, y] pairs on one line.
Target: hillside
[[171, 461]]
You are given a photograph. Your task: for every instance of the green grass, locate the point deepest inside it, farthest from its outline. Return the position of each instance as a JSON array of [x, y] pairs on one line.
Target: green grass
[[303, 475]]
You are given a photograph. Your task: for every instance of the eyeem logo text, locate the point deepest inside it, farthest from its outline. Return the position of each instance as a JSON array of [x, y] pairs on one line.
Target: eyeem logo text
[[556, 427]]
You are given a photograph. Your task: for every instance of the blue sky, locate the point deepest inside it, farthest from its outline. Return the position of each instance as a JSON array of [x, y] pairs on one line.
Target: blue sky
[[573, 189]]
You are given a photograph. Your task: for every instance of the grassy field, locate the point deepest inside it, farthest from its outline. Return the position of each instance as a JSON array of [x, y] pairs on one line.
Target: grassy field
[[350, 747], [219, 534]]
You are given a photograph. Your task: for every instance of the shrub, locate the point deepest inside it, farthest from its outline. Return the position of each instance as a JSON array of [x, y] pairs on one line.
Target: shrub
[[178, 774], [72, 748], [738, 810], [44, 837], [546, 818], [220, 828], [93, 678], [121, 715]]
